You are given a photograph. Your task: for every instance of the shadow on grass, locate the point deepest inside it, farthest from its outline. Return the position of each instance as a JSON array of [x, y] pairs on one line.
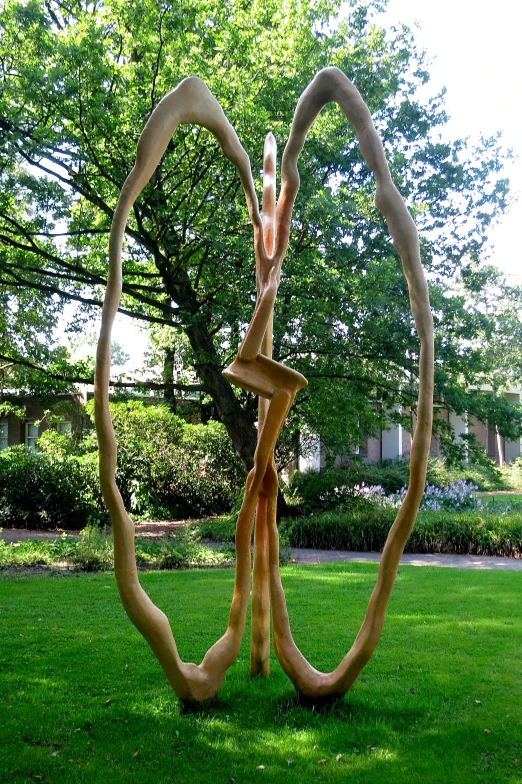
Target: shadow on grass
[[76, 678]]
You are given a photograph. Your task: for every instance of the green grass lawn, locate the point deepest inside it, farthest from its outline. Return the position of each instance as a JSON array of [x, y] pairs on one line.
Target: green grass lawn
[[497, 502], [82, 699]]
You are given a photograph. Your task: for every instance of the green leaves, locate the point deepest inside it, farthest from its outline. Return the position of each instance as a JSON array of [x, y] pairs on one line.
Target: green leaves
[[78, 84]]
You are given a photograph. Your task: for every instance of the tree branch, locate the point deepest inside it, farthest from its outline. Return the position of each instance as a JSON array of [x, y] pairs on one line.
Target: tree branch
[[21, 283], [74, 379]]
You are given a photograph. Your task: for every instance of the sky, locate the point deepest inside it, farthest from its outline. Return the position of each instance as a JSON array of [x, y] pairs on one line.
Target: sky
[[474, 50]]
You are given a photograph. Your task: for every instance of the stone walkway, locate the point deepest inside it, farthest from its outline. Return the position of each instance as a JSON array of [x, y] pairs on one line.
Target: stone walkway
[[306, 556]]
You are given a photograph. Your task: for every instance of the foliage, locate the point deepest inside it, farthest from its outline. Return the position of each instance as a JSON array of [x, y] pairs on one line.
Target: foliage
[[169, 467], [321, 490], [180, 550], [362, 530], [486, 475], [99, 71], [7, 408], [38, 492], [219, 529], [326, 489], [35, 552], [166, 468], [92, 551], [505, 502], [457, 496], [512, 474]]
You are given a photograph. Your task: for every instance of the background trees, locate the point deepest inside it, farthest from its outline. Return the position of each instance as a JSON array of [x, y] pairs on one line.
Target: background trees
[[78, 82]]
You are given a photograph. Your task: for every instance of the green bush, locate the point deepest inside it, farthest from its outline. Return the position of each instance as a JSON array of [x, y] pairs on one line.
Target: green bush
[[93, 551], [205, 473], [170, 468], [394, 474], [361, 529], [391, 475], [333, 487], [512, 474], [36, 552], [40, 492], [475, 533], [314, 492], [219, 529], [318, 491], [486, 476]]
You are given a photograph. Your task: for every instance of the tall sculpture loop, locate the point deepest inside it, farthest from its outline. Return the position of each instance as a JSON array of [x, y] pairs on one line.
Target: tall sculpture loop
[[275, 384]]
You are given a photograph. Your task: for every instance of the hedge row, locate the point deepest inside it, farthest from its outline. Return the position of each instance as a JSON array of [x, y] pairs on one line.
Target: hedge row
[[366, 530], [472, 533], [38, 492]]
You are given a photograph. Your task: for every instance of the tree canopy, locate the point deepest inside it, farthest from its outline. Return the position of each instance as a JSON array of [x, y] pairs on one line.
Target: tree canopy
[[78, 81]]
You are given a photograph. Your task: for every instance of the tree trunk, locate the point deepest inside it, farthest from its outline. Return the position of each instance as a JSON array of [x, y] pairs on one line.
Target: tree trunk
[[239, 423], [168, 378]]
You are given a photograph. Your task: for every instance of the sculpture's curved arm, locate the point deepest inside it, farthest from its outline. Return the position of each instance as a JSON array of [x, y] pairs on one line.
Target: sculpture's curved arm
[[190, 102], [331, 84]]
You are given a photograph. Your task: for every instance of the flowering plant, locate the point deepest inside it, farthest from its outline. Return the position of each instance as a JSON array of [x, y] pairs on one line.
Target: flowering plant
[[456, 496]]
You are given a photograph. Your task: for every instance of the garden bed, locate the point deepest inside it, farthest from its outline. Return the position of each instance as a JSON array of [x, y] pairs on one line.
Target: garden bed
[[466, 533]]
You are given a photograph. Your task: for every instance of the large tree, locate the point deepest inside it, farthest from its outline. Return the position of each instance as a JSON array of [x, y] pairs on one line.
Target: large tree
[[78, 81]]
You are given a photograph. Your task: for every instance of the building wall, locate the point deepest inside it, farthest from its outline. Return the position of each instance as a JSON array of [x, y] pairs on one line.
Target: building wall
[[512, 448], [373, 453], [33, 411]]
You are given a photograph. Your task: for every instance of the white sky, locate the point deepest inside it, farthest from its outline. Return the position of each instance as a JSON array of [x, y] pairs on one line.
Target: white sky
[[475, 48]]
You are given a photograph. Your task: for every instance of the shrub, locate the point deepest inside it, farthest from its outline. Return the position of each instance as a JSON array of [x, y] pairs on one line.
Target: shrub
[[512, 474], [221, 529], [391, 475], [314, 492], [204, 472], [332, 487], [94, 551], [359, 529], [318, 491], [36, 552], [485, 475], [457, 496], [39, 492], [168, 467], [474, 532]]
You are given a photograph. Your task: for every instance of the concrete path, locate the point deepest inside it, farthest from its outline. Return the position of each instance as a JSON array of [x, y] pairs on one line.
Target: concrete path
[[305, 556]]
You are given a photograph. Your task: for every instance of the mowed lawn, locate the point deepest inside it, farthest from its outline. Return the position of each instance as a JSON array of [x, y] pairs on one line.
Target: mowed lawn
[[82, 699]]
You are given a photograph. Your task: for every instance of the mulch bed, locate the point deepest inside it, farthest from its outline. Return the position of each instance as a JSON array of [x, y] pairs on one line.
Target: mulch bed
[[148, 530]]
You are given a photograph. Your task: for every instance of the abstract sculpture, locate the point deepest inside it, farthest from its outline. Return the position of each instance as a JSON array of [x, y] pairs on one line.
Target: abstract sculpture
[[275, 384]]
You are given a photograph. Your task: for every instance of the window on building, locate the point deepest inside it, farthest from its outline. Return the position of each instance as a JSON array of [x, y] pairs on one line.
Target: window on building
[[64, 427], [31, 435], [4, 433]]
